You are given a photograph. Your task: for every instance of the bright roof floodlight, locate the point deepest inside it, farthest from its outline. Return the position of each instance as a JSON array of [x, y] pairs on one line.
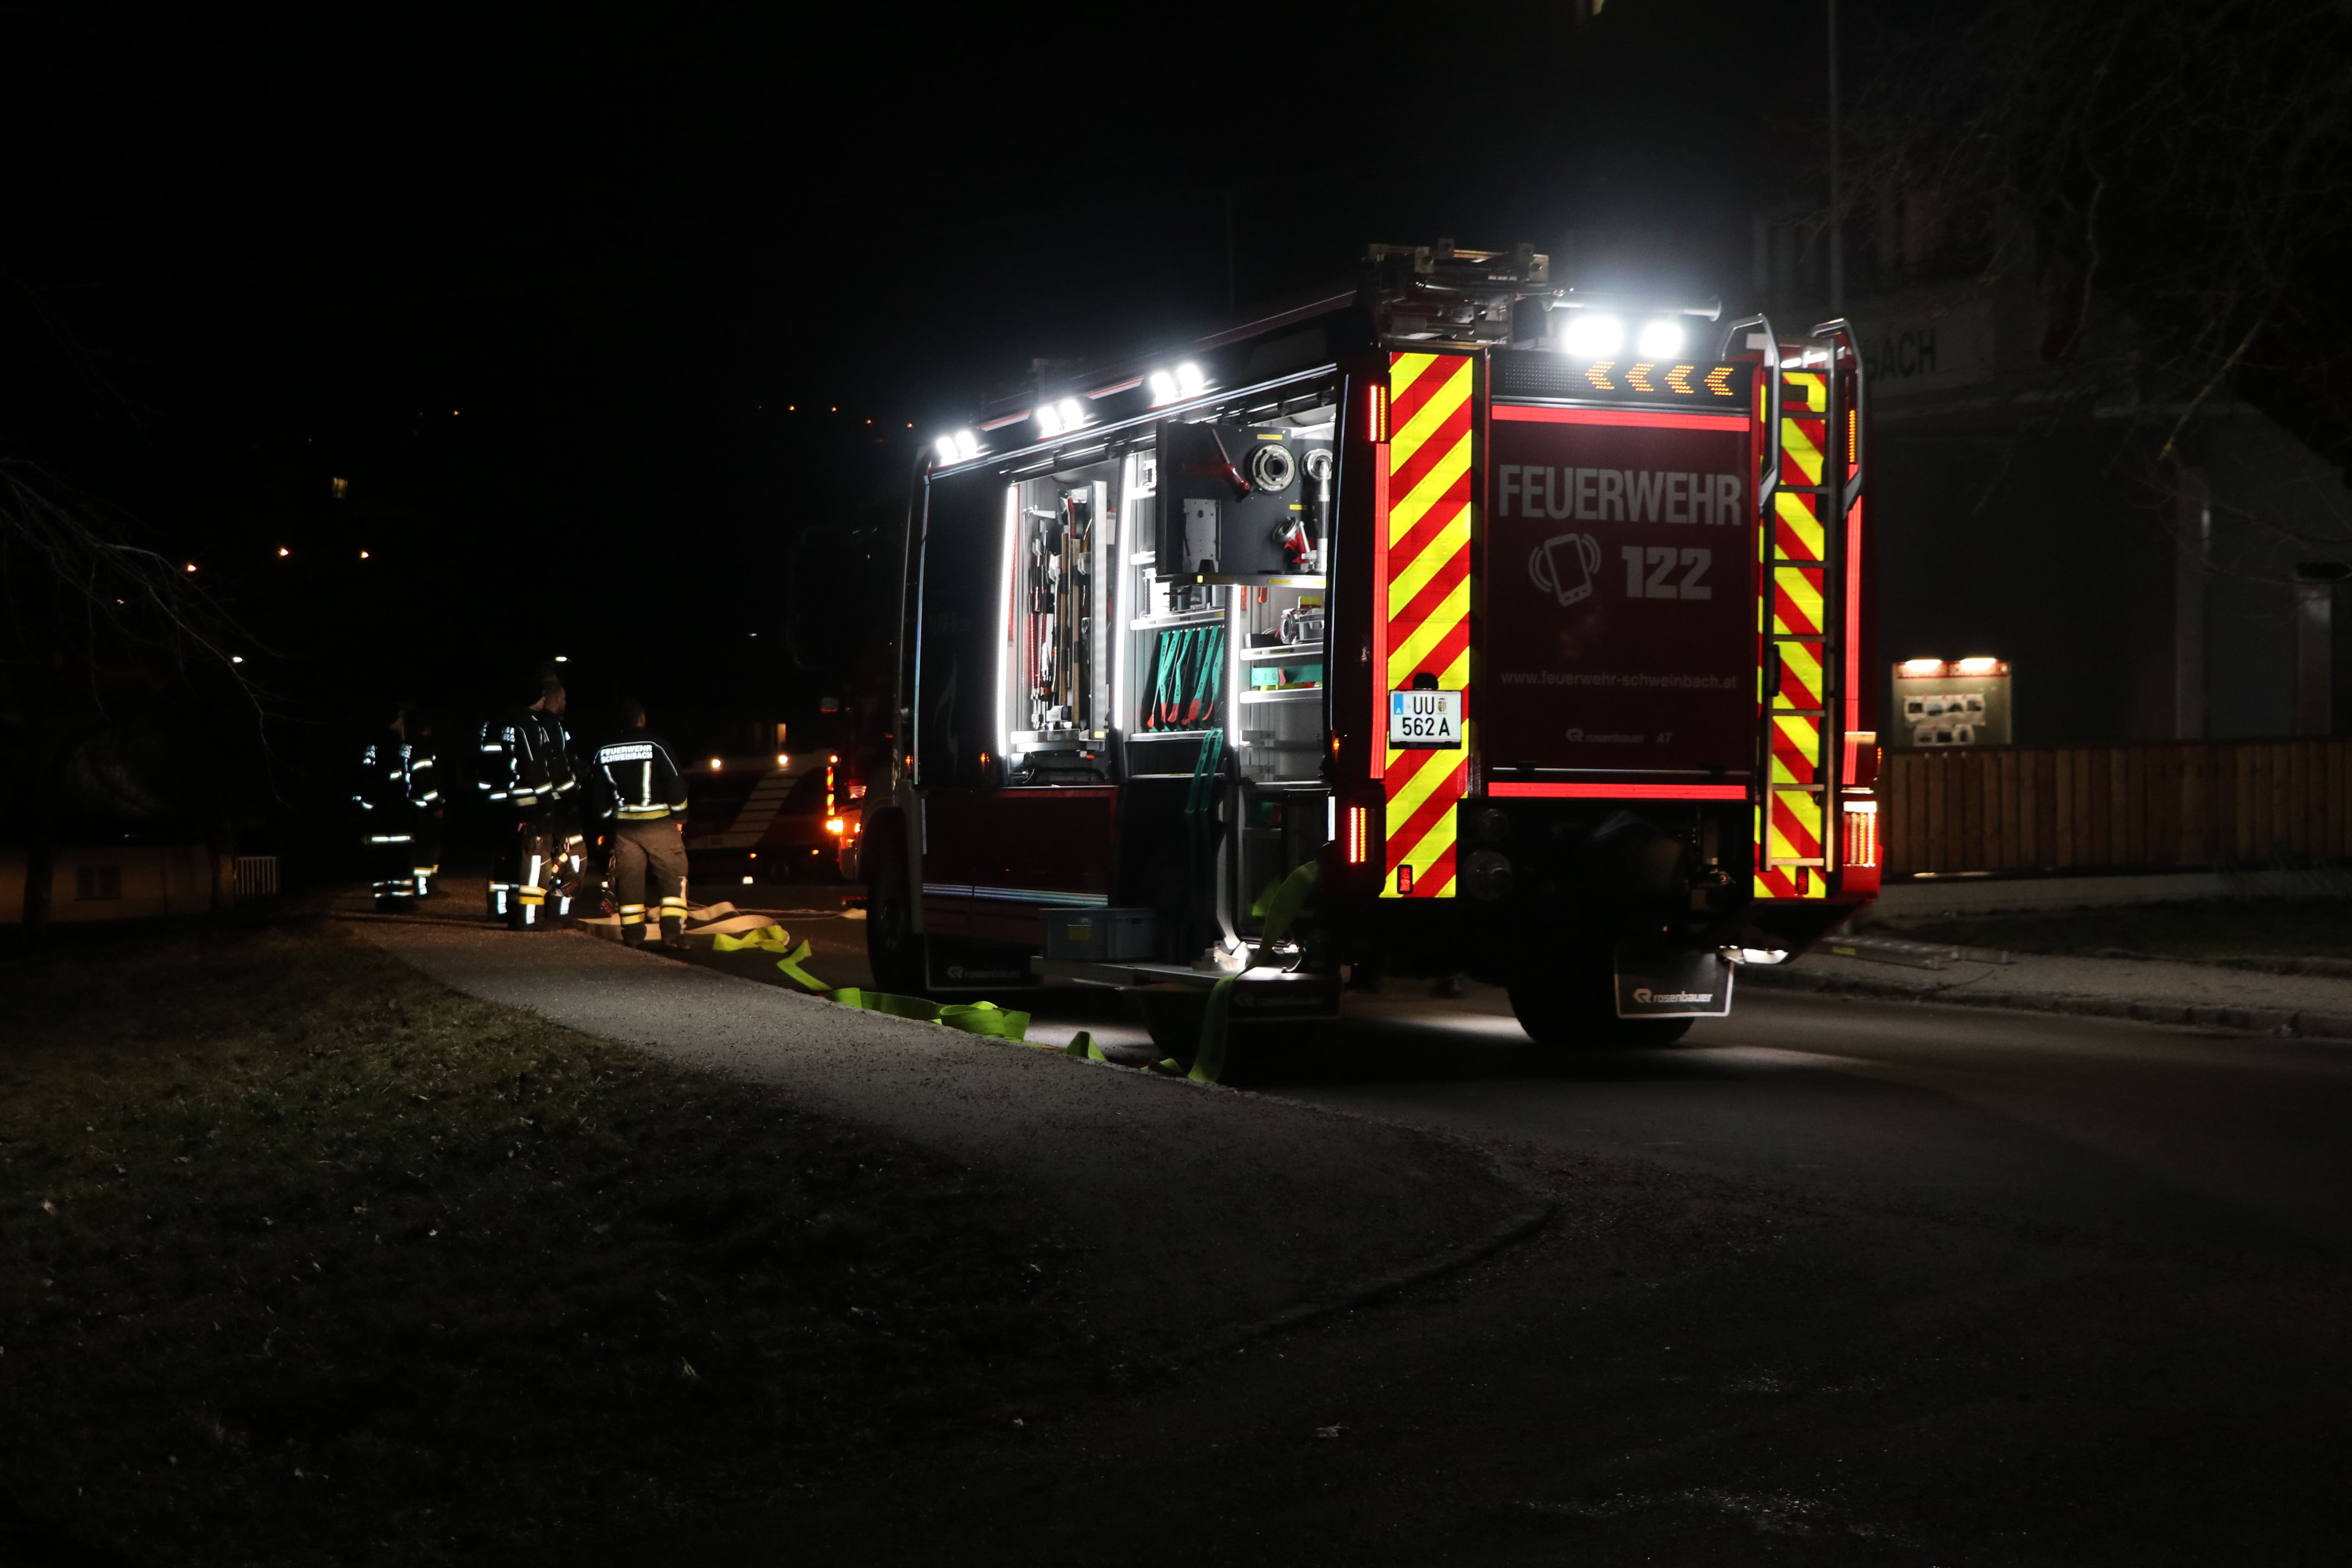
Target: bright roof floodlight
[[967, 445], [1164, 388], [945, 448], [1977, 664], [1049, 421], [1189, 379], [1661, 338], [1922, 666], [1590, 334], [1072, 414]]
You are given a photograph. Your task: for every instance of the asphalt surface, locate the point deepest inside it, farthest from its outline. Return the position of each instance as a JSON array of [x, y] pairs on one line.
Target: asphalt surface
[[2164, 1130], [1834, 1280], [1198, 1212]]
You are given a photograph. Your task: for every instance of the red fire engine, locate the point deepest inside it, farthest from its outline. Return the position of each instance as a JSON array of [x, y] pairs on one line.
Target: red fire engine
[[1533, 621]]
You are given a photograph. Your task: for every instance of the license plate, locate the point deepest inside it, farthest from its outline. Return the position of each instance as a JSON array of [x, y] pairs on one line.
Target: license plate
[[1428, 719]]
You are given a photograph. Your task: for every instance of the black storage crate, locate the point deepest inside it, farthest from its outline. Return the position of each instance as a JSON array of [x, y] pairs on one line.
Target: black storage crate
[[1106, 935]]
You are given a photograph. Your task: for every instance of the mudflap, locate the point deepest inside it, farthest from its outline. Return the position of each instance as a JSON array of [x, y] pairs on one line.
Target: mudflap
[[1655, 983]]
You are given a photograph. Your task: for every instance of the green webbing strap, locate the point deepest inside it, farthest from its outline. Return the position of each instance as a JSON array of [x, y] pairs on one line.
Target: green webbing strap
[[883, 1001], [791, 964], [770, 939], [992, 1022], [1171, 707], [1155, 713], [1215, 673], [972, 1018], [1207, 678], [1209, 1059], [1288, 901]]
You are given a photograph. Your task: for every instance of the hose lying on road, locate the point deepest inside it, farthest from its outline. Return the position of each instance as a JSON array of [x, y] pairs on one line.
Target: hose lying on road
[[744, 932]]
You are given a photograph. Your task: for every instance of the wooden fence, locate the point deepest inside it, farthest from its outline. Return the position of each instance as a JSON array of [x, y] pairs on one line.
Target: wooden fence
[[2165, 803]]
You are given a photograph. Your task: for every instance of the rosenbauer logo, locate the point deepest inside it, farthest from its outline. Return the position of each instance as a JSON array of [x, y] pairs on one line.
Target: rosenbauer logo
[[1648, 997]]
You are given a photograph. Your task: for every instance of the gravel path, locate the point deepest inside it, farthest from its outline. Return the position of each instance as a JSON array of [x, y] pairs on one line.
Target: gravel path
[[1205, 1211]]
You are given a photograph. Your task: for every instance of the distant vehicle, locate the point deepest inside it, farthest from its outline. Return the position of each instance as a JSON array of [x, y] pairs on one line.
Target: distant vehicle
[[768, 821], [1532, 620]]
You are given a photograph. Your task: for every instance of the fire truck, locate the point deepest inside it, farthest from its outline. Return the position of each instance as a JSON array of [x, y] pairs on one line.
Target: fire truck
[[1448, 623]]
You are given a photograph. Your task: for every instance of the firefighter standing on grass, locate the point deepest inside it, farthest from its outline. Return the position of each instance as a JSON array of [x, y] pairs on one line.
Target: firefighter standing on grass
[[644, 794], [400, 806]]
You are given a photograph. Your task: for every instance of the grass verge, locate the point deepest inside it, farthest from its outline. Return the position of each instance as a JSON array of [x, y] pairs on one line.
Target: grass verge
[[304, 1258]]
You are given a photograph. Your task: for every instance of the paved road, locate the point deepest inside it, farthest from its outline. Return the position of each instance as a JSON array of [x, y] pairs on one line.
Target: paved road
[[1834, 1281], [2074, 1119], [2083, 1119]]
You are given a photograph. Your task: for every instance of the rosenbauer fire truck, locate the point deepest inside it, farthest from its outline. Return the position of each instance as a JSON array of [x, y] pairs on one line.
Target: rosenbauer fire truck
[[1451, 623]]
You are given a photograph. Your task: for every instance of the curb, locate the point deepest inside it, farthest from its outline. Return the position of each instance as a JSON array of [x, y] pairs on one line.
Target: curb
[[2247, 1020]]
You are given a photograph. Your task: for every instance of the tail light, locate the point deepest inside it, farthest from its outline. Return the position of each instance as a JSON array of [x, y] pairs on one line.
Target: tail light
[[1862, 833], [1376, 425], [832, 824], [1358, 834]]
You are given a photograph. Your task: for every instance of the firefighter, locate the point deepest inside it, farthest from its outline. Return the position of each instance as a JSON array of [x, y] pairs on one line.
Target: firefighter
[[560, 807], [644, 794], [395, 794], [494, 769], [532, 775], [426, 800]]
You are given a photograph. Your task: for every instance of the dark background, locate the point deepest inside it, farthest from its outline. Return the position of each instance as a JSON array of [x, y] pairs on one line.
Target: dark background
[[600, 323]]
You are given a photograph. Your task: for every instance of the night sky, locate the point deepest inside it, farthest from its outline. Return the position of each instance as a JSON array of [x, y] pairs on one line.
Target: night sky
[[593, 318]]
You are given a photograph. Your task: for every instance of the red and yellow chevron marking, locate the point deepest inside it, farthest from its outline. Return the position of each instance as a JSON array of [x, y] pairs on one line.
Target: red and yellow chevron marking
[[1424, 545], [1797, 601], [1789, 825]]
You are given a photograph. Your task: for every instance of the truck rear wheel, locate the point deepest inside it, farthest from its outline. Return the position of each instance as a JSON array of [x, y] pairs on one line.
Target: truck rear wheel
[[893, 948], [1555, 1010]]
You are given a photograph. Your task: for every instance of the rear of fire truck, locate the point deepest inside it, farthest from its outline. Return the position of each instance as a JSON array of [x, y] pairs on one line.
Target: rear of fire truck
[[1452, 624]]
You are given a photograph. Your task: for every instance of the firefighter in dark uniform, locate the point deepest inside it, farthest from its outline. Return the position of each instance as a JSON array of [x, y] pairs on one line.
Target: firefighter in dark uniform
[[494, 769], [567, 842], [644, 794], [395, 795], [534, 777], [429, 806]]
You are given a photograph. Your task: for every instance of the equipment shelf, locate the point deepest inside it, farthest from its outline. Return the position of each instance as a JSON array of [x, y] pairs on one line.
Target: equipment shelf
[[1285, 650], [1247, 579], [1280, 693], [1170, 622]]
